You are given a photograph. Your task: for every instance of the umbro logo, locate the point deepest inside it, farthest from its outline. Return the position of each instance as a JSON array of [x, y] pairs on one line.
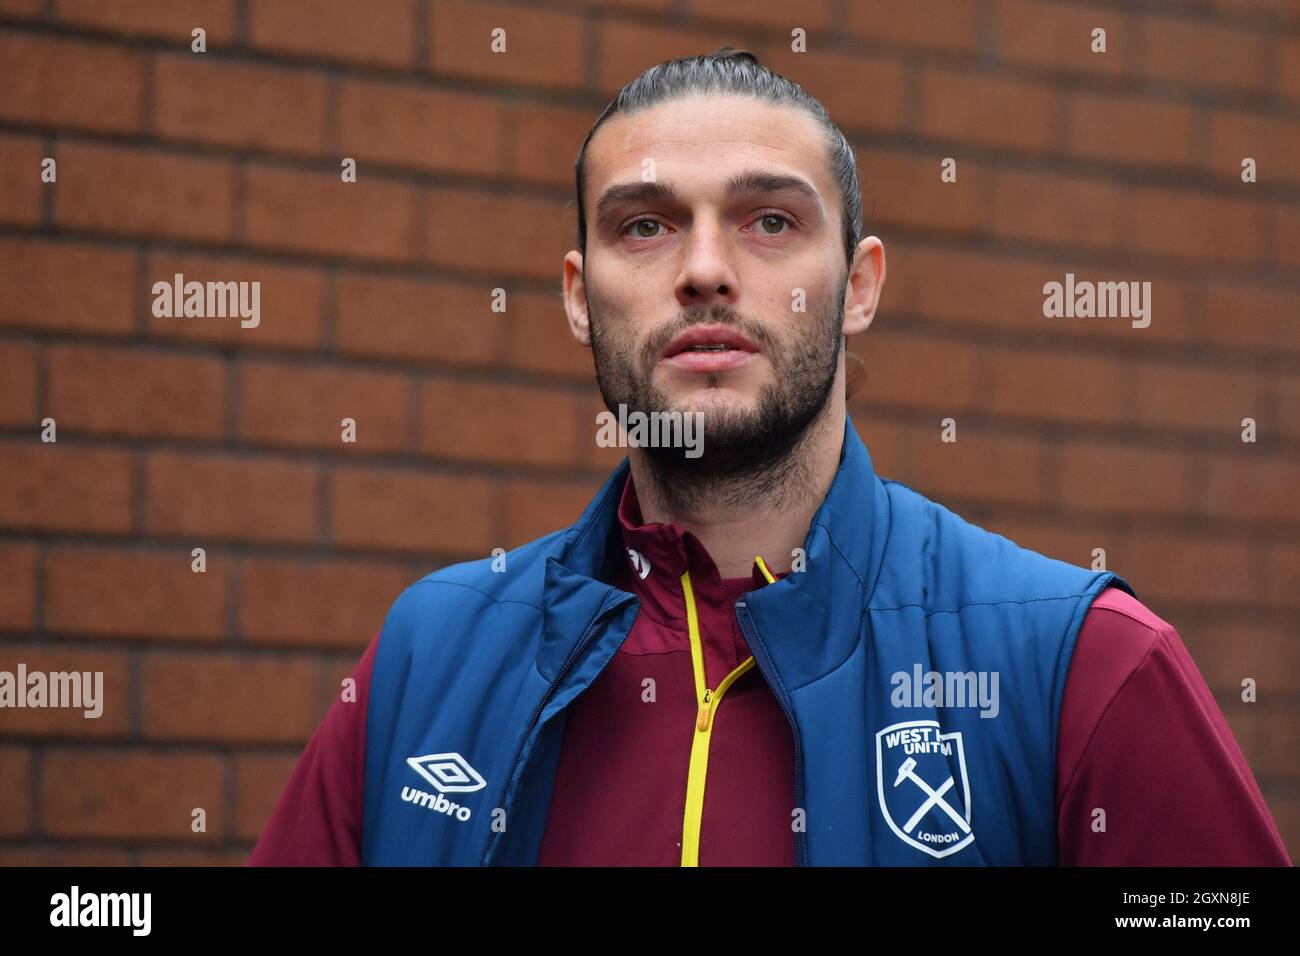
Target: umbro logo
[[446, 773], [449, 773]]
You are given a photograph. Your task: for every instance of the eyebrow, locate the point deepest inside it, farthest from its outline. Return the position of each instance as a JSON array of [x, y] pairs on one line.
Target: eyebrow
[[746, 183]]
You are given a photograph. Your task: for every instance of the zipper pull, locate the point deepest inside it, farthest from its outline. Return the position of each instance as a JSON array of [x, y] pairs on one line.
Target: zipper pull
[[706, 712]]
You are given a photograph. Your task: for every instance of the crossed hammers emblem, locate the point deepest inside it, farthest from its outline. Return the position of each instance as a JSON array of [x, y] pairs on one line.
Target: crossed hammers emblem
[[933, 797]]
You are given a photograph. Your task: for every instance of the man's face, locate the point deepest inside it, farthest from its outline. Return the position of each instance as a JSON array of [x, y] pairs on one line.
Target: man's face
[[718, 286]]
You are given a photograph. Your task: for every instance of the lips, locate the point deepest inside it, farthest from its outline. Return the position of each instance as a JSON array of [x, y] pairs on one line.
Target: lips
[[709, 340]]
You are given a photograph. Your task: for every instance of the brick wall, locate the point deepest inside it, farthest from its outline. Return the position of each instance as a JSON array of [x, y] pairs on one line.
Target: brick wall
[[475, 427]]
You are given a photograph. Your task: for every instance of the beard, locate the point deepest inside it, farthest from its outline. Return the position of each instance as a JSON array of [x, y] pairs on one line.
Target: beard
[[749, 454]]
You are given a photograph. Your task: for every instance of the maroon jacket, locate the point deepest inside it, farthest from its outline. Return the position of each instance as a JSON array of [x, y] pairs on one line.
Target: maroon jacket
[[1140, 736]]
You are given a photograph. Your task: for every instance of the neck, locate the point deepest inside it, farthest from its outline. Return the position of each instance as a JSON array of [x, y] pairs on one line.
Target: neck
[[766, 513]]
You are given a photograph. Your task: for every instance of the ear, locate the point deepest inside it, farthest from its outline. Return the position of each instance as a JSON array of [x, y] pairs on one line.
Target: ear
[[575, 297], [862, 291]]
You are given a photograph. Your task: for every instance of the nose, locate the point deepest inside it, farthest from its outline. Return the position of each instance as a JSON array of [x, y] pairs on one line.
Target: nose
[[707, 275]]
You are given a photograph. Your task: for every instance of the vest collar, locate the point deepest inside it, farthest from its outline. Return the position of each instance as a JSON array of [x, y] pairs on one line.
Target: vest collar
[[801, 617]]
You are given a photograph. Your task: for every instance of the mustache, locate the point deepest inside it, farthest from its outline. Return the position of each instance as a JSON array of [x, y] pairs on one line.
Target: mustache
[[703, 315]]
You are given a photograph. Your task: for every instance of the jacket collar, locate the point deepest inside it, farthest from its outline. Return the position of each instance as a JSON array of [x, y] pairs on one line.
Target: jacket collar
[[796, 616]]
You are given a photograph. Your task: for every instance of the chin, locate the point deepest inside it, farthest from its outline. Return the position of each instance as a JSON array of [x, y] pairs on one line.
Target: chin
[[714, 401]]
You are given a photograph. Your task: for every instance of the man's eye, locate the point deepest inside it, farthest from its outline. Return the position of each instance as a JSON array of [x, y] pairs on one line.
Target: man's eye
[[771, 223], [644, 228]]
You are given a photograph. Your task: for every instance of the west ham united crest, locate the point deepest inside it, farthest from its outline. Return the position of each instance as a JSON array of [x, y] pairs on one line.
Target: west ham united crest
[[923, 786]]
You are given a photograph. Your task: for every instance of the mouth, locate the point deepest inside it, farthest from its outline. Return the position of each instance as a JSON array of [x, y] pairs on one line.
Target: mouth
[[710, 348]]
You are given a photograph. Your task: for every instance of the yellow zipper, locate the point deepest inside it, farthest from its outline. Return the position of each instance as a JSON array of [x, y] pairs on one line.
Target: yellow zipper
[[709, 701]]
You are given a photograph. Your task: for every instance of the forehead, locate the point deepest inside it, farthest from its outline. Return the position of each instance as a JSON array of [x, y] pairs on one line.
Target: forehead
[[704, 139]]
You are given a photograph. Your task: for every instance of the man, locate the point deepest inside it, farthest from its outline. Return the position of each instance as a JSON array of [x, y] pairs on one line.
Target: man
[[761, 653]]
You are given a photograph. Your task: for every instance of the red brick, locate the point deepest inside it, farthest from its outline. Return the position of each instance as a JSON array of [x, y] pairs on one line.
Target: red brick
[[1251, 10], [1285, 248], [229, 697], [167, 858], [291, 302], [1059, 38], [1250, 318], [166, 18], [503, 423], [1272, 143], [540, 340], [948, 25], [292, 405], [1282, 579], [1197, 53], [839, 81], [17, 587], [906, 189], [259, 781], [329, 604], [1166, 222], [418, 320], [1265, 730], [85, 288], [973, 108], [887, 442], [114, 693], [893, 362], [1227, 652], [115, 391], [406, 511], [1122, 129], [1052, 538], [114, 594], [211, 497], [1050, 208], [45, 487], [257, 107], [1284, 392], [427, 129], [15, 795], [67, 83], [129, 794], [17, 384], [136, 192], [536, 508], [983, 291], [1243, 484], [1125, 479], [1207, 399], [591, 454], [21, 189], [23, 8], [978, 466], [543, 48], [64, 856], [546, 141], [625, 50], [378, 31], [1187, 568], [314, 212], [778, 14], [1082, 389], [498, 235], [1289, 85]]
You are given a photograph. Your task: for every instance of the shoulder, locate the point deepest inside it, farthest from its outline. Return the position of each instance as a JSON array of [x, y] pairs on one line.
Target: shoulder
[[510, 581], [954, 563], [1122, 640]]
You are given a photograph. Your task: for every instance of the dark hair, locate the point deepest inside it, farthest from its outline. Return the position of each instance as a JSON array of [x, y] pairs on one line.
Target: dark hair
[[738, 72]]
